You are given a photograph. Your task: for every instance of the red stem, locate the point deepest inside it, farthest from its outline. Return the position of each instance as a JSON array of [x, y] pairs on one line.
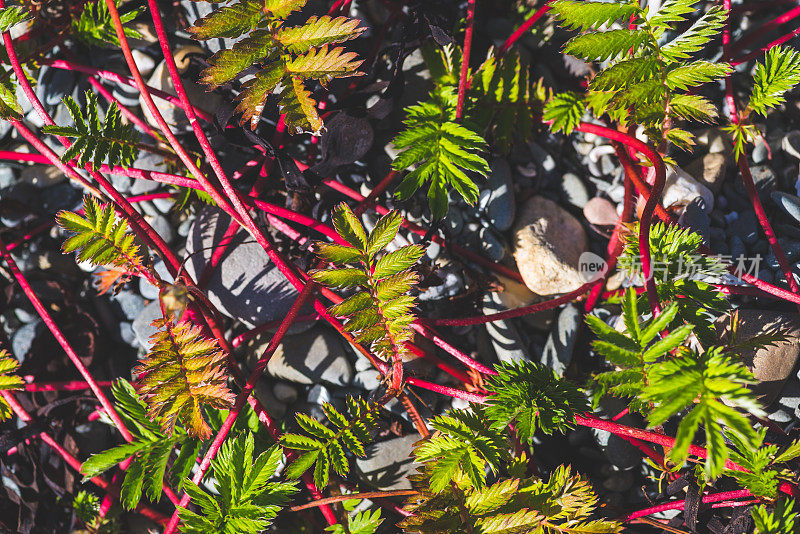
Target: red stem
[[680, 504], [74, 463], [462, 80], [761, 30], [62, 340], [519, 32]]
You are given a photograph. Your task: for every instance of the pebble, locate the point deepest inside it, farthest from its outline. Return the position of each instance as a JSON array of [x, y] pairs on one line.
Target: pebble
[[680, 188], [696, 218], [388, 464], [746, 227], [503, 335], [500, 206], [618, 451], [773, 364], [128, 304], [369, 379], [319, 395], [619, 482], [789, 397], [42, 175], [285, 392], [557, 352], [574, 191], [600, 212], [788, 203], [760, 151], [128, 96], [6, 175], [246, 284], [142, 325], [492, 244], [163, 227], [148, 290], [23, 338], [791, 143], [548, 244], [736, 248], [308, 358], [144, 63], [126, 333], [709, 170], [764, 178], [171, 113]]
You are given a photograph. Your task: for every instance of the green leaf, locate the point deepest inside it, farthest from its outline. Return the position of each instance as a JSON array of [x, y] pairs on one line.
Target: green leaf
[[280, 9], [532, 397], [103, 461], [230, 21], [696, 73], [565, 110], [696, 37], [318, 31], [11, 16], [324, 64], [779, 73], [226, 64], [339, 254], [605, 45], [396, 261], [440, 151], [345, 277], [254, 93], [384, 232], [693, 107], [299, 108], [96, 142], [588, 15]]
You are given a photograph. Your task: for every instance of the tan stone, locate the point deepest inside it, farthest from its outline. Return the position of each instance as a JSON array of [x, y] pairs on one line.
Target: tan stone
[[548, 243], [773, 364]]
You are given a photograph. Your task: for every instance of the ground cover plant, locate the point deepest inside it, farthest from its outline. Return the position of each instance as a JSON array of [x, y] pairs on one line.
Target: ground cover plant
[[384, 266]]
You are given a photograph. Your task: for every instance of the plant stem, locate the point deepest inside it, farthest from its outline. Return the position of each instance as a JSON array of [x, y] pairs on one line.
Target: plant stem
[[62, 340], [680, 504], [73, 462], [348, 496], [519, 32], [463, 82]]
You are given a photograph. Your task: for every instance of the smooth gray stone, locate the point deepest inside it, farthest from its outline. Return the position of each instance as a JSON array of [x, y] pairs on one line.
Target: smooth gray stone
[[557, 352], [388, 464], [574, 190], [500, 206], [246, 284], [128, 305], [492, 244], [788, 203], [504, 337], [308, 358], [142, 327], [285, 392], [148, 290], [23, 338], [368, 380]]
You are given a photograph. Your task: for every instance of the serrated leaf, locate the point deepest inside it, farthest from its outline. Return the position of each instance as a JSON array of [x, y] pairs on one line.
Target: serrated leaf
[[254, 93], [396, 261], [299, 109], [610, 44], [229, 21], [779, 72], [565, 111], [226, 64], [587, 15], [318, 31]]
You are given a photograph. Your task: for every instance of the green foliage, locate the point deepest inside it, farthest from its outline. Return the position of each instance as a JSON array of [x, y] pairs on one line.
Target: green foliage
[[360, 523], [779, 73], [562, 504], [11, 16], [244, 501], [465, 444], [151, 451], [379, 313], [100, 237], [714, 386], [441, 152], [683, 275], [96, 142], [531, 396], [183, 372], [9, 107], [86, 506], [502, 101], [780, 520], [288, 56], [95, 26], [762, 475], [633, 351], [647, 79], [8, 381], [324, 447]]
